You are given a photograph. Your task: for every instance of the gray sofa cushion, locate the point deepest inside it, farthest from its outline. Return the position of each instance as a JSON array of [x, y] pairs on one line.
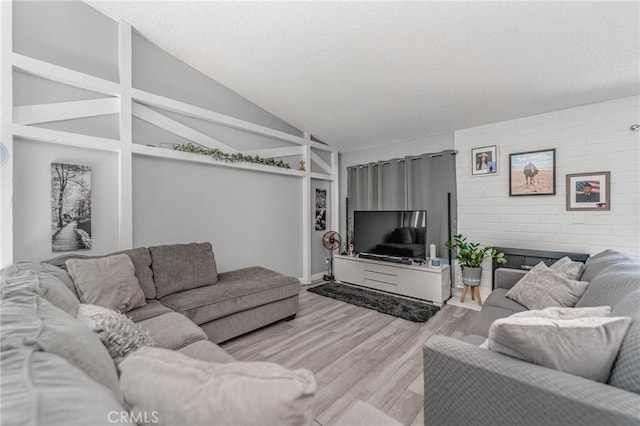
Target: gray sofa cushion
[[205, 350], [172, 330], [140, 257], [28, 319], [611, 286], [235, 291], [153, 308], [486, 317], [603, 260], [542, 288], [109, 282], [179, 267], [626, 370], [498, 299], [41, 388]]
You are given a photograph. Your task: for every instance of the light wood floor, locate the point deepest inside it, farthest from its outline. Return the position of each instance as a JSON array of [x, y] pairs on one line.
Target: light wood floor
[[355, 353]]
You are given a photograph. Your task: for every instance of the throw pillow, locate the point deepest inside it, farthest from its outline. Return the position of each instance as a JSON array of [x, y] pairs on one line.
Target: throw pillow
[[542, 288], [187, 391], [109, 282], [180, 267], [573, 270], [585, 346], [118, 333]]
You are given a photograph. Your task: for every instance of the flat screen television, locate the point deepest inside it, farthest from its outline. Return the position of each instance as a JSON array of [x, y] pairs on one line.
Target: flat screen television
[[399, 233]]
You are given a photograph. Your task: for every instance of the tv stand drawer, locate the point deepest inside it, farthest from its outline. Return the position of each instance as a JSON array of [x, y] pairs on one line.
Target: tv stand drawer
[[380, 285], [383, 277]]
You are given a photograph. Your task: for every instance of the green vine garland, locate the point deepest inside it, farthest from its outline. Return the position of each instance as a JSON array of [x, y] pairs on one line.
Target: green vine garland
[[231, 158]]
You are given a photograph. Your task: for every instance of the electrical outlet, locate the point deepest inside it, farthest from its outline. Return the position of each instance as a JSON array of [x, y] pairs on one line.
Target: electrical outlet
[[326, 260], [578, 217]]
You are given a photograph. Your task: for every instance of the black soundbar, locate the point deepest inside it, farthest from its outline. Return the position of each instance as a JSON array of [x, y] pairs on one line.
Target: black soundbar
[[386, 258]]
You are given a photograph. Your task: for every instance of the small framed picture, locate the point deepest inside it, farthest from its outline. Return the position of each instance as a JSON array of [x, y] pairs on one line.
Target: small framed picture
[[484, 161], [532, 173], [589, 191]]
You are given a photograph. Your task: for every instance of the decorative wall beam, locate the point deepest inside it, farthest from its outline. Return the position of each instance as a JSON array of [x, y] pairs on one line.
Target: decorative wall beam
[[65, 138], [177, 128], [65, 75], [125, 160], [59, 111], [183, 108], [287, 151], [320, 162]]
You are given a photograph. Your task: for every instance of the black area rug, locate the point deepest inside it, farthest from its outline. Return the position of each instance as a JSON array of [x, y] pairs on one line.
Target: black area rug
[[387, 304]]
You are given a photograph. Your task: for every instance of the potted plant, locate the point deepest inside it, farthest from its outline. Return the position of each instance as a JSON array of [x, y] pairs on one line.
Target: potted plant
[[470, 256]]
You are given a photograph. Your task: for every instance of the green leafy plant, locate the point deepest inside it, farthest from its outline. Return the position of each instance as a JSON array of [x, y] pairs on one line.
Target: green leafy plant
[[471, 254], [231, 158]]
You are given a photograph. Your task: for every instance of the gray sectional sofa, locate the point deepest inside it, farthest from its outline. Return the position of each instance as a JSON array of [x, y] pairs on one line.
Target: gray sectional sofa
[[466, 384], [239, 302], [55, 370]]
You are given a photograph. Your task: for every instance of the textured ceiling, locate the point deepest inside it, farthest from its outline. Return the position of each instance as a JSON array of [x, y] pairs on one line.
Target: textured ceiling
[[362, 74]]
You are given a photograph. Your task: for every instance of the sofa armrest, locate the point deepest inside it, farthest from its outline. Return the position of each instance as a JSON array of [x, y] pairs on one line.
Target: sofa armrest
[[469, 385], [507, 278]]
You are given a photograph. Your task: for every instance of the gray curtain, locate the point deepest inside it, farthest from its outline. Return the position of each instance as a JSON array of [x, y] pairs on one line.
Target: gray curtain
[[411, 183]]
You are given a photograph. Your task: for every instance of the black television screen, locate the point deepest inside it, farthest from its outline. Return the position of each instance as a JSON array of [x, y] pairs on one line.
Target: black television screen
[[391, 233]]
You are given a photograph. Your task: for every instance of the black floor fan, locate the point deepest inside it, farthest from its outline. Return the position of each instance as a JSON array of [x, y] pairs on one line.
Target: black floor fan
[[331, 241]]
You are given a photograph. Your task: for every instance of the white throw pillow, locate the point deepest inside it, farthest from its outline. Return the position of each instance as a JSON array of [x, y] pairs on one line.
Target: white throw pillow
[[572, 270], [542, 287], [109, 282], [565, 339], [118, 333], [181, 390]]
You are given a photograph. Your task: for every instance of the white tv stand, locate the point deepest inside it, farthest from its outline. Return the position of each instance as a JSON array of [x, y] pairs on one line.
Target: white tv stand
[[421, 282]]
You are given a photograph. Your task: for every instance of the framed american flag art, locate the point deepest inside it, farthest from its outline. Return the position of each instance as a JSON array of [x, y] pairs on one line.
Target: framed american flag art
[[589, 191]]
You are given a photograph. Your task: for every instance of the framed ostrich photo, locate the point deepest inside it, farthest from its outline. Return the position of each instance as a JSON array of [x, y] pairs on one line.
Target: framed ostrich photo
[[589, 191], [484, 161], [70, 207], [532, 173]]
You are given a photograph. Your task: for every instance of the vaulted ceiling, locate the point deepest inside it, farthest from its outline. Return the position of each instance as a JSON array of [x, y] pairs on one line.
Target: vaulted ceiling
[[364, 74]]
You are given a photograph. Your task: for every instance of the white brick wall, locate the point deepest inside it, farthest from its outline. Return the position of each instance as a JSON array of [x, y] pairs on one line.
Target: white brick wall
[[589, 138]]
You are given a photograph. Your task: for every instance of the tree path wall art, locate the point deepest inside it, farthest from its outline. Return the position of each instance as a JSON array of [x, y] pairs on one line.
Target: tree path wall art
[[70, 207]]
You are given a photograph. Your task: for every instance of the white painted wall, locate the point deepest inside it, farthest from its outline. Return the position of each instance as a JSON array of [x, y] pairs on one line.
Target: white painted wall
[[589, 138], [32, 197], [414, 147]]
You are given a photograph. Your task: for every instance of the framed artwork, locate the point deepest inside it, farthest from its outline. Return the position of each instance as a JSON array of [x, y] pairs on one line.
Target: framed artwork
[[70, 207], [484, 161], [589, 191], [532, 173], [321, 209]]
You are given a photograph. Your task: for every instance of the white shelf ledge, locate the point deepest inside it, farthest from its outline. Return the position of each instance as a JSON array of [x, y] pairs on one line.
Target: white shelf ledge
[[153, 151]]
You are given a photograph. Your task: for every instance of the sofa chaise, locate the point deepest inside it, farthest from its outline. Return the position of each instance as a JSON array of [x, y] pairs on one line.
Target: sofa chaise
[[54, 369], [467, 384]]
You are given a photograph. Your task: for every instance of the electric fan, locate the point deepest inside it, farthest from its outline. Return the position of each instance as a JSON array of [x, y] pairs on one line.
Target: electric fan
[[331, 241]]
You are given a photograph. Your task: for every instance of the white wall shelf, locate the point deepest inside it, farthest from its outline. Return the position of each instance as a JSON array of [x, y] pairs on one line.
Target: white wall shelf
[[170, 154]]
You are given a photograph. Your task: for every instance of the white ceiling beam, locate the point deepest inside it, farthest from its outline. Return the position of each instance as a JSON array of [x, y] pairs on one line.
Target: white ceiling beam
[[60, 111], [177, 128], [320, 162], [65, 138], [204, 114], [287, 151], [65, 75]]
